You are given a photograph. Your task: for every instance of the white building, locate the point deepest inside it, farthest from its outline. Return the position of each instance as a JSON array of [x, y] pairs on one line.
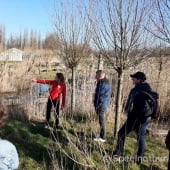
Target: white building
[[12, 54]]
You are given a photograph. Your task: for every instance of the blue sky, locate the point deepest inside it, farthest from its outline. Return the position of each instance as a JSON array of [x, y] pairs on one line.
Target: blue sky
[[17, 15]]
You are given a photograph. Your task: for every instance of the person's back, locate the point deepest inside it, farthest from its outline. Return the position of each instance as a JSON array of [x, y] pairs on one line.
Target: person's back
[[8, 155]]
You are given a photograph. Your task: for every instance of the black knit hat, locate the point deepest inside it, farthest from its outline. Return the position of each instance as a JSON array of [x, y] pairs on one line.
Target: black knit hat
[[139, 75]]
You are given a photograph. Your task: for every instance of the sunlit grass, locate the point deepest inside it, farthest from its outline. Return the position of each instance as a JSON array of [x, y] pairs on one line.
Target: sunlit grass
[[73, 142]]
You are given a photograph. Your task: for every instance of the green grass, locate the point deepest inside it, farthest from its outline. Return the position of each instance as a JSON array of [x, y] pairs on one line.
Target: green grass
[[31, 142], [73, 148]]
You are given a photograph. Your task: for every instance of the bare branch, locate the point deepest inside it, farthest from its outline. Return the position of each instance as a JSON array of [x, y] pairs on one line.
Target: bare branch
[[72, 29], [161, 20], [120, 28]]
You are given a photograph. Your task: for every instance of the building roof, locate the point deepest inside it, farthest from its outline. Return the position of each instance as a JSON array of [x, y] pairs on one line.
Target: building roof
[[14, 50]]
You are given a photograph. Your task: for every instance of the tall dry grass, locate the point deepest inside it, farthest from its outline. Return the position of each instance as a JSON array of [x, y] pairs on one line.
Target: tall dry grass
[[16, 80]]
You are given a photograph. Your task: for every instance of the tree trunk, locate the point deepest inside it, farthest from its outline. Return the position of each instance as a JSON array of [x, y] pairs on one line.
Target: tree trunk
[[159, 72], [91, 69], [46, 68], [73, 101], [100, 62], [39, 68], [118, 102]]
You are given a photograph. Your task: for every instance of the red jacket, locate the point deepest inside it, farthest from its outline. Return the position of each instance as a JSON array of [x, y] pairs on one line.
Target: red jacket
[[56, 90]]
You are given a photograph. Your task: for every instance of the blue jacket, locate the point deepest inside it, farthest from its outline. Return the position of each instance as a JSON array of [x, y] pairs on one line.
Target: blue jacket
[[102, 94], [8, 156]]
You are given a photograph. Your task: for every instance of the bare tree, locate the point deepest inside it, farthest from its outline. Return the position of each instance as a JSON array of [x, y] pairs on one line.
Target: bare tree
[[2, 37], [100, 62], [161, 20], [72, 29], [51, 42], [25, 43], [33, 40], [120, 35], [39, 41]]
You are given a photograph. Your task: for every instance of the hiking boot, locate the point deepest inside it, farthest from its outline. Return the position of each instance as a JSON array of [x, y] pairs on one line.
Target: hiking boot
[[102, 140]]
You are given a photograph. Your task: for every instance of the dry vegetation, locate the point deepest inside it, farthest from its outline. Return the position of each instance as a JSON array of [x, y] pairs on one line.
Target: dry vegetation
[[72, 146]]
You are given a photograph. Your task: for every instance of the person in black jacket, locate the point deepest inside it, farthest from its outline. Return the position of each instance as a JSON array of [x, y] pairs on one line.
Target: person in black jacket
[[101, 101], [138, 116], [167, 142]]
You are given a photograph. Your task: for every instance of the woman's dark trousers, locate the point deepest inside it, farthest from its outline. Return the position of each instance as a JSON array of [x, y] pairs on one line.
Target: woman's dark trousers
[[56, 105]]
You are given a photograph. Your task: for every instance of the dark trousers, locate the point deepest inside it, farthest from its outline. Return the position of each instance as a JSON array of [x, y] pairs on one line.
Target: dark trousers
[[132, 124], [102, 119], [169, 162], [56, 105]]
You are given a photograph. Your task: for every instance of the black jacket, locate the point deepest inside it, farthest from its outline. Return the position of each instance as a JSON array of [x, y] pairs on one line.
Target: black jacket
[[167, 141], [136, 103]]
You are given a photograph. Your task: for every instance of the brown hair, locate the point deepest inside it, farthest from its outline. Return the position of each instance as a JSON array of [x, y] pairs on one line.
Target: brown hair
[[3, 115], [60, 77]]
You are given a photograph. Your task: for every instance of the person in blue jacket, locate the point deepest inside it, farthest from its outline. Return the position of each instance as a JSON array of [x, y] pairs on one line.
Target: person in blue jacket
[[9, 159], [101, 102]]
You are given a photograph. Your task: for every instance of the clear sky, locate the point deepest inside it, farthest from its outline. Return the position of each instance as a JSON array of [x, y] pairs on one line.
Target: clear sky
[[17, 15]]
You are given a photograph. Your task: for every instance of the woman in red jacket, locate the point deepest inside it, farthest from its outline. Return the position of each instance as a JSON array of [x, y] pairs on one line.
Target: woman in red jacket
[[58, 89]]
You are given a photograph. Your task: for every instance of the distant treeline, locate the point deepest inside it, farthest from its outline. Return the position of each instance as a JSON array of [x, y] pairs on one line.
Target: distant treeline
[[28, 39]]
